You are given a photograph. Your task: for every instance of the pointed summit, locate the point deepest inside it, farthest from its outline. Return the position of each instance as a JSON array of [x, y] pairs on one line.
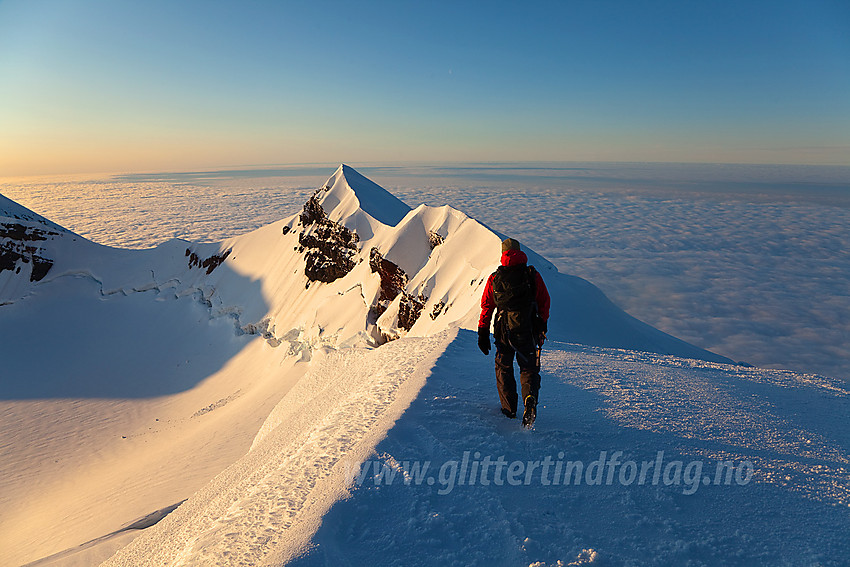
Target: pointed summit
[[348, 190]]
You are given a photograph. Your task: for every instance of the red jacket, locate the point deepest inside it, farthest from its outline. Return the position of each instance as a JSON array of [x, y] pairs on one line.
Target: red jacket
[[488, 303]]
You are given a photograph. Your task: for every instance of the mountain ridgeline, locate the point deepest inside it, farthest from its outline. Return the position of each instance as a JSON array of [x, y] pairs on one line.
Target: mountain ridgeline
[[355, 267]]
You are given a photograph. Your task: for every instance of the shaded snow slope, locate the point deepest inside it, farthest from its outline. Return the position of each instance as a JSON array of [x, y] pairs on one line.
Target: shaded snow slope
[[795, 510], [132, 377], [140, 401]]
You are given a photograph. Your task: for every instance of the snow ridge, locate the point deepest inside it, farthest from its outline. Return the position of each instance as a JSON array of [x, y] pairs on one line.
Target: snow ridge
[[332, 417], [347, 191]]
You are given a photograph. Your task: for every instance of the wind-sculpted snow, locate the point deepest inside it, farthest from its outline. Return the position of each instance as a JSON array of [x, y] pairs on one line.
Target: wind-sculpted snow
[[323, 250]]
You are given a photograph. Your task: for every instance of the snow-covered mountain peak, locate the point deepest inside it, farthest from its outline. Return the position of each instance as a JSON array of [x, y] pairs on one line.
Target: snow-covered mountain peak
[[347, 191]]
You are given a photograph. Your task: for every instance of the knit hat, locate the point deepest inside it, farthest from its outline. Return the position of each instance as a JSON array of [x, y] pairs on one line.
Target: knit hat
[[509, 244]]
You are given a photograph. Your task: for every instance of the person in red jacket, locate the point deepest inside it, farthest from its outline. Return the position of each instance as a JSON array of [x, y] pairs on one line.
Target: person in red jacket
[[518, 295]]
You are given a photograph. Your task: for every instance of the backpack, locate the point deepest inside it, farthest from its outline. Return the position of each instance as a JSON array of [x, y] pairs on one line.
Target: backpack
[[514, 292]]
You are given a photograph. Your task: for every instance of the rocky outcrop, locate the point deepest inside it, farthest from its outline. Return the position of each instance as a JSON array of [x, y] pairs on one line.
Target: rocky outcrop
[[393, 279], [312, 212], [18, 247], [393, 282], [209, 264], [409, 310], [329, 247], [438, 309]]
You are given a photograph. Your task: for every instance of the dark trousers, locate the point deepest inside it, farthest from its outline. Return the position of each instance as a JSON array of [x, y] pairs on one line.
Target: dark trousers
[[529, 373]]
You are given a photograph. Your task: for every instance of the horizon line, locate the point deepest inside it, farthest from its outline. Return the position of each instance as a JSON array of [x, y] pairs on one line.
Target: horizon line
[[502, 164]]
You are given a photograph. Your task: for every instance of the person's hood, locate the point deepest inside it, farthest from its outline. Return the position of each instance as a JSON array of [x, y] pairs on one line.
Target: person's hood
[[514, 258]]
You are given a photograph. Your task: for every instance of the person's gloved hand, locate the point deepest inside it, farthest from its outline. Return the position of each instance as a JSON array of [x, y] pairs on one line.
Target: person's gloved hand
[[484, 339], [542, 329]]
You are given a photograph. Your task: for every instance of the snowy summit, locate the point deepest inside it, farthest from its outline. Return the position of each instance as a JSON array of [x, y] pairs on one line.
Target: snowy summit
[[251, 402]]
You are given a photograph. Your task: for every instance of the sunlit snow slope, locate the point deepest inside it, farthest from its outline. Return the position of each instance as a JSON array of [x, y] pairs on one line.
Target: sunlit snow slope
[[133, 377]]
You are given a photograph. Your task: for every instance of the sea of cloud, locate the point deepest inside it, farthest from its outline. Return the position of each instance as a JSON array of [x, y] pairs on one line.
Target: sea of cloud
[[143, 211], [751, 262]]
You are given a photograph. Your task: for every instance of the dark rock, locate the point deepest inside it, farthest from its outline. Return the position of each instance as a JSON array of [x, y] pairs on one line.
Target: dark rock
[[40, 267], [210, 263], [8, 258], [312, 212], [24, 233], [410, 309], [438, 308], [329, 247], [393, 282], [13, 249], [393, 278], [434, 239]]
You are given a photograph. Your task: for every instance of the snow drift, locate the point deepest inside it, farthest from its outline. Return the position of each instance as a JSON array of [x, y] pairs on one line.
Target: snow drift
[[165, 363]]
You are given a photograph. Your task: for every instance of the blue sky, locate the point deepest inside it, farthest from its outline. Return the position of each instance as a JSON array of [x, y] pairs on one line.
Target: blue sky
[[111, 85]]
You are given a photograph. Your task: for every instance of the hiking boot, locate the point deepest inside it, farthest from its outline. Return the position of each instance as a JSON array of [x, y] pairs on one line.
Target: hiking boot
[[530, 413], [509, 414]]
